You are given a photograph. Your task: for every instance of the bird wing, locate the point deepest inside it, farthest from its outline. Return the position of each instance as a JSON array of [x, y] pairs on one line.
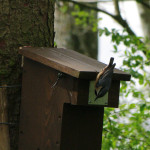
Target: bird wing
[[101, 93], [108, 74]]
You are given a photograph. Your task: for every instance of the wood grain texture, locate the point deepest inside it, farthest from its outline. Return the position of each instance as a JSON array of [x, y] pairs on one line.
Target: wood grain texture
[[70, 62]]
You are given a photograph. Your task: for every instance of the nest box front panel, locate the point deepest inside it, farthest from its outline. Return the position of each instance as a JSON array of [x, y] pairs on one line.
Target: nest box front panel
[[110, 99], [82, 69], [42, 106], [100, 101]]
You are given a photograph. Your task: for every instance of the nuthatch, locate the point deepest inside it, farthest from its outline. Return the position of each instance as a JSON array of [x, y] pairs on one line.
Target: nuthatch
[[103, 80]]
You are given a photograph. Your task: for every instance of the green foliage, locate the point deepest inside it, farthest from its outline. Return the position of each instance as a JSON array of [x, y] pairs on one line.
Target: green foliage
[[85, 19], [125, 127], [63, 8], [128, 127], [55, 44]]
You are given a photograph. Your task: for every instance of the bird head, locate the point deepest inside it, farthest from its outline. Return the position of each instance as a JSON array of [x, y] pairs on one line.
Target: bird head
[[103, 79]]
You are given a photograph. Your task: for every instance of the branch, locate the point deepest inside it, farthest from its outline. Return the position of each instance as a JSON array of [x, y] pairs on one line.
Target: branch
[[116, 4], [120, 20], [117, 18], [98, 1], [143, 3], [93, 8]]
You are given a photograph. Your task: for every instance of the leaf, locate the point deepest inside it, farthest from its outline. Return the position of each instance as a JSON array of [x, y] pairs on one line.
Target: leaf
[[135, 94], [101, 31], [55, 44], [133, 50], [131, 106], [142, 107], [115, 47], [64, 8], [141, 80], [107, 32]]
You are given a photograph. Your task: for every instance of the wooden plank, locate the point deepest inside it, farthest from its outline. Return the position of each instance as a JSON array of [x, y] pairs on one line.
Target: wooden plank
[[96, 65], [83, 92], [81, 128], [70, 62], [113, 96], [42, 107], [4, 130]]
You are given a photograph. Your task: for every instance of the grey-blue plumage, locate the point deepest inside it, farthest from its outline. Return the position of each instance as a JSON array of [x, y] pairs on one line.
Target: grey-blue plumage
[[103, 80]]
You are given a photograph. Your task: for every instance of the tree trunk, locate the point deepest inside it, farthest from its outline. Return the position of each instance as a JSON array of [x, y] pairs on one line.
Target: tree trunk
[[4, 130], [23, 23]]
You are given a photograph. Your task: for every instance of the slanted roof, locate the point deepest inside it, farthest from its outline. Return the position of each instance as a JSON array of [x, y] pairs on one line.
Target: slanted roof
[[70, 62]]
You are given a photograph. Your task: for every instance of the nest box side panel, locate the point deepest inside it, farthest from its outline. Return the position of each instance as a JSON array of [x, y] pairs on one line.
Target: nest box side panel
[[42, 107], [81, 128], [113, 96]]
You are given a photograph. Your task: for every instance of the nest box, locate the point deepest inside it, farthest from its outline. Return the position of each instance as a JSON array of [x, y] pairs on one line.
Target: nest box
[[57, 107]]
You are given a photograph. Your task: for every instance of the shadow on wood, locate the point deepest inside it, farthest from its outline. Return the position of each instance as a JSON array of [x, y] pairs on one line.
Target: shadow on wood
[[81, 128]]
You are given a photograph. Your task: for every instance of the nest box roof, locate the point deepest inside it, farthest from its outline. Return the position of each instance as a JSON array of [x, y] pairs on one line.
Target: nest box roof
[[70, 62]]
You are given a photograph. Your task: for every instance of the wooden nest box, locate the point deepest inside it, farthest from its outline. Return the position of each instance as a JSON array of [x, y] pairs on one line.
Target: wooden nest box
[[56, 110]]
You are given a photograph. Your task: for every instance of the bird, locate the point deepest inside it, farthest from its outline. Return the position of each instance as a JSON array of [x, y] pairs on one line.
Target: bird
[[103, 79]]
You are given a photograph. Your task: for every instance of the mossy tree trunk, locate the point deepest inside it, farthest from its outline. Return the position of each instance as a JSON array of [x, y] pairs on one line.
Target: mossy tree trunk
[[22, 23]]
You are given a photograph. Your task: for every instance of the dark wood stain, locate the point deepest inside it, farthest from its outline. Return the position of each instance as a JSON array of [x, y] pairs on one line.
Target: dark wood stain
[[58, 117], [70, 62], [113, 96], [41, 107], [81, 128]]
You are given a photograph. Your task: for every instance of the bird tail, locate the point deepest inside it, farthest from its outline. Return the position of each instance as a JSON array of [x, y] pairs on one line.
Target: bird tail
[[111, 61]]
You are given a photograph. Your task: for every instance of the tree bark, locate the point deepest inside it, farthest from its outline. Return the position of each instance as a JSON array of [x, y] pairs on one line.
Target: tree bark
[[23, 23], [4, 130]]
